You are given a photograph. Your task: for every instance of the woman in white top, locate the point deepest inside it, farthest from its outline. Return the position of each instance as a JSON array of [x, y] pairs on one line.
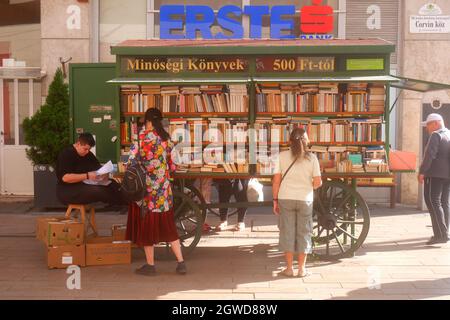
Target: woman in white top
[[297, 175]]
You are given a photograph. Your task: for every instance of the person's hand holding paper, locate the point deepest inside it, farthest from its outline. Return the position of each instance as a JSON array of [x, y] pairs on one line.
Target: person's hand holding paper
[[102, 175]]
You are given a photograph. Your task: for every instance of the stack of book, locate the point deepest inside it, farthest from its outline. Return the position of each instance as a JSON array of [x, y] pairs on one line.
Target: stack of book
[[128, 131], [377, 97], [344, 166], [356, 97], [329, 98]]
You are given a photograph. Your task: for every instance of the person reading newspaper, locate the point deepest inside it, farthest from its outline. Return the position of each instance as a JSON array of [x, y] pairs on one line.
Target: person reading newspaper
[[81, 178]]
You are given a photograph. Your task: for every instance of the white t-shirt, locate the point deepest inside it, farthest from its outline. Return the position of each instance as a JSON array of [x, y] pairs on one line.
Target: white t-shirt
[[298, 183]]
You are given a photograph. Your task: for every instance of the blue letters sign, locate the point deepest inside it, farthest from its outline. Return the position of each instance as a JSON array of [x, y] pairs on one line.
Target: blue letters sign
[[316, 20]]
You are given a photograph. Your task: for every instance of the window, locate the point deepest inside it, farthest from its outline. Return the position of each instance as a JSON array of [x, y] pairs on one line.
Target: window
[[120, 21], [15, 12]]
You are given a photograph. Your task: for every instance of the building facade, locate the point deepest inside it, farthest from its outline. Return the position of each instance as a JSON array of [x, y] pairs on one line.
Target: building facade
[[84, 31]]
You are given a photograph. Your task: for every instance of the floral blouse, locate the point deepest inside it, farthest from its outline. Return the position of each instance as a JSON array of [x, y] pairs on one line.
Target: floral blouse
[[156, 155]]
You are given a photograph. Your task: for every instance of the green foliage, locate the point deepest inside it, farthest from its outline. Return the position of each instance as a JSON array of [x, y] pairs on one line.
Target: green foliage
[[47, 132]]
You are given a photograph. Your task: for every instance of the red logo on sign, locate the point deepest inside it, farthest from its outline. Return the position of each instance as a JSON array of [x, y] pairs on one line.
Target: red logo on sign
[[316, 18]]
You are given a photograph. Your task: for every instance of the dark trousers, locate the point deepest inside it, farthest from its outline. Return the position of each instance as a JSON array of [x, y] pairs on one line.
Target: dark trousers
[[227, 188], [436, 193], [80, 193]]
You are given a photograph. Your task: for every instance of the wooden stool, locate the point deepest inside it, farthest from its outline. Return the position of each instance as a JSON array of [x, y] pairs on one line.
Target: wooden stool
[[83, 208]]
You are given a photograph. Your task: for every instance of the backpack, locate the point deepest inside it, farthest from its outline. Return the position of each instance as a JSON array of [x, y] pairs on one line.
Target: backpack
[[133, 186]]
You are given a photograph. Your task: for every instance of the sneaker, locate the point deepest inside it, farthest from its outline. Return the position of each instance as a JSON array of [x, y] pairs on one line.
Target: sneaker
[[146, 270], [181, 268], [240, 226], [222, 226]]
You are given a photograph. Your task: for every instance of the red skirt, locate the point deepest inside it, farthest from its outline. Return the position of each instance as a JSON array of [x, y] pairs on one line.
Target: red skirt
[[153, 228]]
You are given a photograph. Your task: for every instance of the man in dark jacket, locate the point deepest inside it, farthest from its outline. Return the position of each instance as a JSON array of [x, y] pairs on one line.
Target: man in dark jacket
[[435, 172]]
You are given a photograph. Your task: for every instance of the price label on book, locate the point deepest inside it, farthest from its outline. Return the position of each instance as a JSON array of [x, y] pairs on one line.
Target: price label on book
[[295, 64]]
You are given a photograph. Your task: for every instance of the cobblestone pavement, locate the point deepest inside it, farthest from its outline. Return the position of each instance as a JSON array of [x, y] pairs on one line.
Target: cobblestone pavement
[[245, 265]]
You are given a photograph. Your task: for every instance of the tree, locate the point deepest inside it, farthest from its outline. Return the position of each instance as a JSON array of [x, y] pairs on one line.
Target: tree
[[47, 132]]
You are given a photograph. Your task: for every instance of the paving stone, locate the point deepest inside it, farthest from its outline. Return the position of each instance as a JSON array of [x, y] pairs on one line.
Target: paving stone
[[230, 265]]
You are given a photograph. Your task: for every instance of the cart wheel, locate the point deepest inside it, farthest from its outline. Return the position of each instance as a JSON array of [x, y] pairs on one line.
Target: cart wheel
[[189, 222], [341, 221], [193, 193]]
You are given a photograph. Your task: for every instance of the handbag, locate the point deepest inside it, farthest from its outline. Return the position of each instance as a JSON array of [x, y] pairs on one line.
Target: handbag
[[255, 191]]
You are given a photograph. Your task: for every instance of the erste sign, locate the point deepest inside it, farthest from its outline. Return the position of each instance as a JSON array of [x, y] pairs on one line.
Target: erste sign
[[316, 19]]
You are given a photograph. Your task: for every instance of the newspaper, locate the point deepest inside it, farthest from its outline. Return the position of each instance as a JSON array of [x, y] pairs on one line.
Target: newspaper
[[107, 168]]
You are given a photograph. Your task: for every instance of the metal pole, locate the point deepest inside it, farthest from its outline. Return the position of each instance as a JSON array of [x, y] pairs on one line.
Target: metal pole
[[2, 140], [16, 112], [30, 98], [151, 19], [95, 38]]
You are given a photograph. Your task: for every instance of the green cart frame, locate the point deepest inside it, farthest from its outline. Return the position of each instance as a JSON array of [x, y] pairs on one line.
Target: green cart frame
[[341, 215]]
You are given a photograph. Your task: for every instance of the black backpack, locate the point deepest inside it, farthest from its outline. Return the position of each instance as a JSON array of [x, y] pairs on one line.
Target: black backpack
[[133, 186]]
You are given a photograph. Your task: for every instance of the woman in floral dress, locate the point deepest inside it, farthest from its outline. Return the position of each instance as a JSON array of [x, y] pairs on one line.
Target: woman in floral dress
[[156, 222]]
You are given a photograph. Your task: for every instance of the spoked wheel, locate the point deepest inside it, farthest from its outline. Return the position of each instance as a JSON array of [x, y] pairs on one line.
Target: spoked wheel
[[197, 197], [341, 221], [189, 223]]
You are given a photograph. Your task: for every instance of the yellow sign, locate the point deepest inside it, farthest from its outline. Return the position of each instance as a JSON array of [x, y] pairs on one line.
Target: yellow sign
[[295, 64], [177, 65]]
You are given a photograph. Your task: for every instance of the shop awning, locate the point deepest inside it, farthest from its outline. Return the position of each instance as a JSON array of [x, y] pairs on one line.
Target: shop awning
[[21, 73], [327, 79], [418, 85], [163, 81]]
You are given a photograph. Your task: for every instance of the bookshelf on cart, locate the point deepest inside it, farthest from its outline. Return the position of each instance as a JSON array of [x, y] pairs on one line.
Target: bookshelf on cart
[[203, 120], [344, 122], [231, 105]]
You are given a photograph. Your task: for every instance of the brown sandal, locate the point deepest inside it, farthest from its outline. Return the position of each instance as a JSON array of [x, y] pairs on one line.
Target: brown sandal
[[287, 273]]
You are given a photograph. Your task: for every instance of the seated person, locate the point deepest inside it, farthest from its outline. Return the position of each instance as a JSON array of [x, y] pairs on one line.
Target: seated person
[[77, 163]]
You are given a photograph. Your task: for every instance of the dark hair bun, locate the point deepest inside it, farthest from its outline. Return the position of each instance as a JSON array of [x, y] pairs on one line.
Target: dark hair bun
[[153, 114]]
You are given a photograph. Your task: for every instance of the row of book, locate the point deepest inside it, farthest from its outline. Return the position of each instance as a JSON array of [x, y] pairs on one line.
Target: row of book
[[309, 103], [322, 97], [319, 97], [129, 129], [214, 168], [339, 159], [208, 130], [208, 98], [222, 130], [336, 131]]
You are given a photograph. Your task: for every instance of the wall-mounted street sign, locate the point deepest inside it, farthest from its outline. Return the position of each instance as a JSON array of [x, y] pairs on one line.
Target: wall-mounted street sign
[[429, 20], [188, 21], [131, 65]]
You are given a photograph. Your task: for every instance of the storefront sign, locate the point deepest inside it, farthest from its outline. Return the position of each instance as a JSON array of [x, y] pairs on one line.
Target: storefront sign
[[189, 64], [430, 20], [295, 64], [365, 64], [316, 20]]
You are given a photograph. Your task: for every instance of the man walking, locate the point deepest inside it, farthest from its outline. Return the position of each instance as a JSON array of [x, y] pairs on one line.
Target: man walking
[[435, 172]]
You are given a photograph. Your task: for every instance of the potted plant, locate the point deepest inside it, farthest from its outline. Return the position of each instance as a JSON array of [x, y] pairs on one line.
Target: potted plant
[[47, 133]]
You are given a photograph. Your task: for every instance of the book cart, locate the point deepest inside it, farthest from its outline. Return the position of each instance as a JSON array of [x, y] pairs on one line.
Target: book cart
[[338, 90]]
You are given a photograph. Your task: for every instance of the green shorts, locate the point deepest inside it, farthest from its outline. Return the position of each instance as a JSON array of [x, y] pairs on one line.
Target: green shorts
[[296, 226]]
